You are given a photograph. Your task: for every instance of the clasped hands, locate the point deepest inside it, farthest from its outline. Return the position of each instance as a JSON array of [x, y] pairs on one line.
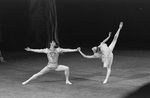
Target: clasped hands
[[27, 49], [79, 49]]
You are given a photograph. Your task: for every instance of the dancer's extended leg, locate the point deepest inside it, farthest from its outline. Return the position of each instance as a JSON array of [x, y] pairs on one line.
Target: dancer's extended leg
[[108, 69], [43, 71], [113, 43], [66, 69]]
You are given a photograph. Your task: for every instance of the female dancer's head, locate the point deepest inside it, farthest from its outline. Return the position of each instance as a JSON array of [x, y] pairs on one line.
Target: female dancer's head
[[95, 49]]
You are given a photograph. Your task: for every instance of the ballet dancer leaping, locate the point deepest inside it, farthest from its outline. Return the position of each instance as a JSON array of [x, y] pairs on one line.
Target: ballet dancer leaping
[[52, 55], [105, 52]]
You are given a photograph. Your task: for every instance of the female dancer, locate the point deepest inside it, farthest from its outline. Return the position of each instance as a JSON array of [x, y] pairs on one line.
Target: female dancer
[[105, 52]]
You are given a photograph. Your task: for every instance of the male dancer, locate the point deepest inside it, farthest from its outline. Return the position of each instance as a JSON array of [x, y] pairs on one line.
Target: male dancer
[[105, 52], [52, 55]]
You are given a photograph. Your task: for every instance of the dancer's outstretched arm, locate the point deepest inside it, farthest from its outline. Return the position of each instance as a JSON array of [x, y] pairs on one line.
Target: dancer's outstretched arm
[[87, 56], [68, 50], [36, 50], [106, 38]]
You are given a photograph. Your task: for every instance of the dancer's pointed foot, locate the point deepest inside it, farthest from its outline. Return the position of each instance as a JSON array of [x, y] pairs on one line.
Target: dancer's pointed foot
[[121, 25], [105, 81], [24, 83]]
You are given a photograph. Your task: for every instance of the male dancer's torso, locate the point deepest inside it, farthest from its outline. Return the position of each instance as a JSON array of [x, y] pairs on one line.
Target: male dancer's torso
[[52, 56]]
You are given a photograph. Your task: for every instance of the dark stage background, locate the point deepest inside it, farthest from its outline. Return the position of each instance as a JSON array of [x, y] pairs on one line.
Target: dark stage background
[[83, 23]]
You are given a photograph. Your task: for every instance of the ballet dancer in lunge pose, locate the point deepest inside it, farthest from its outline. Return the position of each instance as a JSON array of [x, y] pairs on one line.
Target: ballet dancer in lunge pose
[[52, 55], [105, 52]]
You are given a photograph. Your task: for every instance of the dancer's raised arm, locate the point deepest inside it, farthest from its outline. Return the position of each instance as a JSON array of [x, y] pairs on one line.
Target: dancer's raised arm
[[36, 50], [107, 38]]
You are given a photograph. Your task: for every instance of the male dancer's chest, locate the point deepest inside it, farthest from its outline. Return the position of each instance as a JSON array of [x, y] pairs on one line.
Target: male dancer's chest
[[53, 56]]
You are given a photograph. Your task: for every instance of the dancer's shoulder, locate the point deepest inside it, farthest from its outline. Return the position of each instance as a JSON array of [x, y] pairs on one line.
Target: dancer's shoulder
[[59, 49]]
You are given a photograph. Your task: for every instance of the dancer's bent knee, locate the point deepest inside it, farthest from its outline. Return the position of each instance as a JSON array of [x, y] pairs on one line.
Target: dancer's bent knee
[[67, 68]]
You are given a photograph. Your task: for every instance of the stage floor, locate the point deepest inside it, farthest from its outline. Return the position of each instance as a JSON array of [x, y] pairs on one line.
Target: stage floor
[[130, 70]]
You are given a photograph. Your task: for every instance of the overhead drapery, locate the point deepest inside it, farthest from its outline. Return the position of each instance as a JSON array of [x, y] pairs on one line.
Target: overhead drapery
[[52, 29], [43, 22]]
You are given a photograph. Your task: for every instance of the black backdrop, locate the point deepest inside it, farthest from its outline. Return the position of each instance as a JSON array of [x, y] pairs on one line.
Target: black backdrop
[[83, 23]]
